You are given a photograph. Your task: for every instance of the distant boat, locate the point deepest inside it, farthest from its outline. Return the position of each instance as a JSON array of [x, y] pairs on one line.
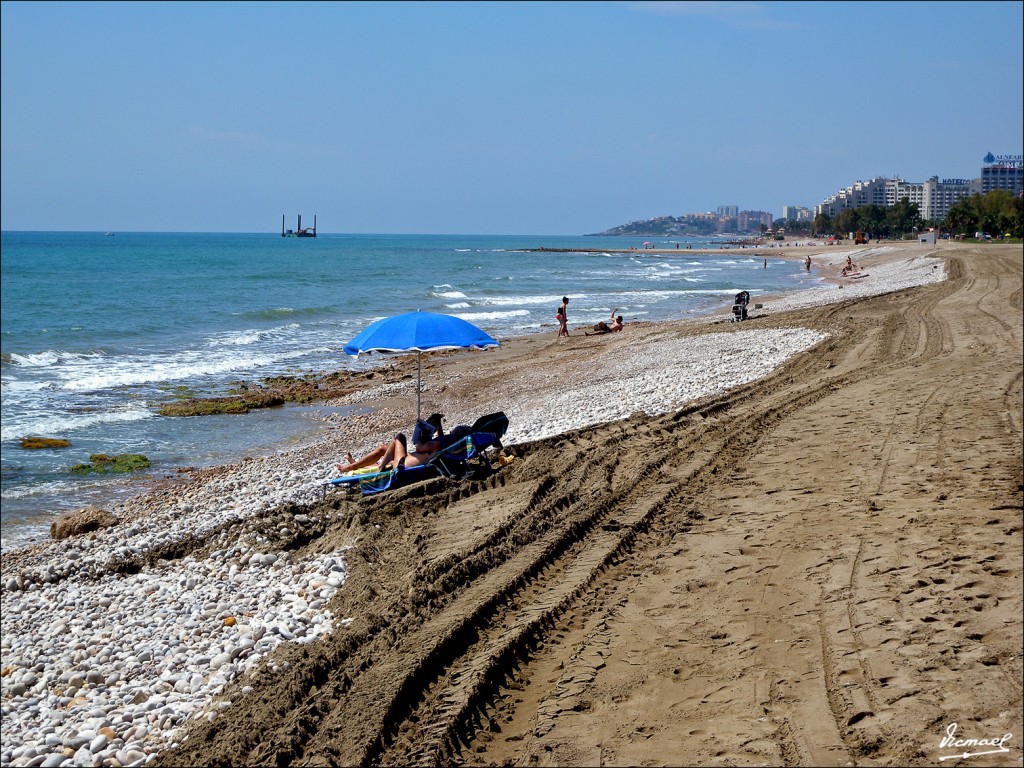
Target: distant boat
[[109, 234]]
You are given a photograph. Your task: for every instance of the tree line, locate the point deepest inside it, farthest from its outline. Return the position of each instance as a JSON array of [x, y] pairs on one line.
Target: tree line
[[998, 212]]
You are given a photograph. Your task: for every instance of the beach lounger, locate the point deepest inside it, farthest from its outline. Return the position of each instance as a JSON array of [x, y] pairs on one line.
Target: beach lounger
[[464, 459]]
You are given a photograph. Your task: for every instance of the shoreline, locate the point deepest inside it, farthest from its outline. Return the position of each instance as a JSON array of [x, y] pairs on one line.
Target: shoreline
[[388, 401], [241, 513], [734, 245], [37, 519], [827, 262]]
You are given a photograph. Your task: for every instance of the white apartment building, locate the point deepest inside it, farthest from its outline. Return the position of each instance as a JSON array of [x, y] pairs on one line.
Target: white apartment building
[[857, 195], [933, 197], [796, 213], [939, 196]]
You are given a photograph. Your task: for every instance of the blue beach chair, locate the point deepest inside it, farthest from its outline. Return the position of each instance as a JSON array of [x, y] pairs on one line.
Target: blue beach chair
[[466, 458]]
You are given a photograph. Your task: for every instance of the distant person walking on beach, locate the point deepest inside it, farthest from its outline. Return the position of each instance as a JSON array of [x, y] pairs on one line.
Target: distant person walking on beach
[[562, 315], [807, 263]]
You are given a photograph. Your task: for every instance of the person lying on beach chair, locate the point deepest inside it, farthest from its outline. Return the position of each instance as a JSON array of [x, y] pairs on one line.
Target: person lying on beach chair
[[459, 454], [603, 327], [428, 439], [393, 454]]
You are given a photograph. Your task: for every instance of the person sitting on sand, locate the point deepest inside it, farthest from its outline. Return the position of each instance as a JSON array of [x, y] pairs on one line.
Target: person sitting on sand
[[602, 327]]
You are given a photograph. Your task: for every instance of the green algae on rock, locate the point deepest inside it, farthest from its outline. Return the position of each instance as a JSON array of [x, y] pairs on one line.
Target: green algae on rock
[[198, 406], [101, 463], [36, 443], [275, 391]]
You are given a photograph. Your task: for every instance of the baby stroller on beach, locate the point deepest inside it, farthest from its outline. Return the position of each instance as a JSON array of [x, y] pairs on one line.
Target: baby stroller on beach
[[739, 306], [466, 458]]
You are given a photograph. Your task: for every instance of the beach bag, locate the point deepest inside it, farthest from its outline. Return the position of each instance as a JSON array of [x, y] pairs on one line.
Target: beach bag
[[493, 423]]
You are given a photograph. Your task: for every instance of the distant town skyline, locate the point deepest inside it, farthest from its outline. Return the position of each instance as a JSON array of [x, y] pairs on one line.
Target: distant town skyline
[[485, 117]]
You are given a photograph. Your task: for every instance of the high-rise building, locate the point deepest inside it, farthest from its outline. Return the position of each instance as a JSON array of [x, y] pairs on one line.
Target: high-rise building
[[751, 221], [728, 211], [857, 195], [1003, 172], [939, 196]]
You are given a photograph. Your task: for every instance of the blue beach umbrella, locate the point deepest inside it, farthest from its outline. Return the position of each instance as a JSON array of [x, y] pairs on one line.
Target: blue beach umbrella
[[418, 332]]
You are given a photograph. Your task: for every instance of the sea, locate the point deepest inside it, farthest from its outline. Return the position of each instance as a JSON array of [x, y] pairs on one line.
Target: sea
[[99, 329]]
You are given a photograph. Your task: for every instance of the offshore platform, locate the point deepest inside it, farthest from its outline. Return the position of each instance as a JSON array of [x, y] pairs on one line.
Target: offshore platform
[[298, 231]]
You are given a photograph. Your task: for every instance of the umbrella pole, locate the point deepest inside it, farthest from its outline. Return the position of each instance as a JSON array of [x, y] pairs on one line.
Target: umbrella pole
[[419, 375]]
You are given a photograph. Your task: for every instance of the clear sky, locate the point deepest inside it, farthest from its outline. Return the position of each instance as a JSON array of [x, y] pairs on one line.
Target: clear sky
[[489, 117]]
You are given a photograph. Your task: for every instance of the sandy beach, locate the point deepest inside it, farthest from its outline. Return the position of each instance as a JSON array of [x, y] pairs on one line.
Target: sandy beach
[[795, 540]]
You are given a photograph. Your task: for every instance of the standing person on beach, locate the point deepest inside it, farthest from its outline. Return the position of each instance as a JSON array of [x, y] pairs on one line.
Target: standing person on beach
[[562, 315], [807, 263]]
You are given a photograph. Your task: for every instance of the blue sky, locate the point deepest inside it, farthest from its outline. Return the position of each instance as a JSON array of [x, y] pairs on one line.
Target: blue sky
[[486, 118]]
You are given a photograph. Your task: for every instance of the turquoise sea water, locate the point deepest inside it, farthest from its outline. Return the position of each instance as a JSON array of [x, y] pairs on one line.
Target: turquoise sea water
[[98, 329]]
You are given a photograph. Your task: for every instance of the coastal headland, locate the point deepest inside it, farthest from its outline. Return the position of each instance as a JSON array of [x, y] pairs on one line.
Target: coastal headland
[[795, 540]]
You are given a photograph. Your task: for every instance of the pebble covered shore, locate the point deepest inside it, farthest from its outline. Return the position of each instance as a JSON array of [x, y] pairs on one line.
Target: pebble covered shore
[[105, 657]]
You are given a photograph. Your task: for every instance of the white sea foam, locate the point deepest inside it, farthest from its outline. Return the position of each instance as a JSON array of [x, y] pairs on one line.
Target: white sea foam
[[479, 316], [238, 339], [52, 357], [13, 386], [253, 335], [158, 368], [67, 423], [42, 489], [515, 301]]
